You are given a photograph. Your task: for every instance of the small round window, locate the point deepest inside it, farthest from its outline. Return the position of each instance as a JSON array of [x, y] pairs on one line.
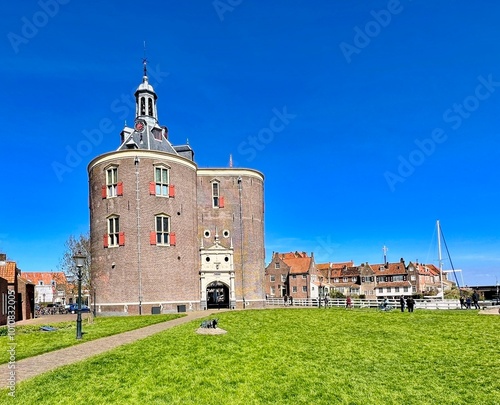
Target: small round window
[[207, 259], [226, 259], [225, 233], [206, 234]]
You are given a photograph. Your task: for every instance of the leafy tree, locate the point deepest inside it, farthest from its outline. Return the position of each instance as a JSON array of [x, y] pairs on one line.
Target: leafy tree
[[453, 293], [336, 294]]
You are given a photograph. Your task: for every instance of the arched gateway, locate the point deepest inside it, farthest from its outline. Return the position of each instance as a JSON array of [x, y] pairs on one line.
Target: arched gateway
[[217, 295], [217, 276]]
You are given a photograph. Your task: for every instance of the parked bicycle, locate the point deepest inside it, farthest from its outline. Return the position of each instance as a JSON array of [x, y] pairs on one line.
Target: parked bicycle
[[385, 307]]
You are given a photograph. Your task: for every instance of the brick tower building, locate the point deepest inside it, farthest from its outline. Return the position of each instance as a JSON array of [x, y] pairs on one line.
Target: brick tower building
[[167, 236]]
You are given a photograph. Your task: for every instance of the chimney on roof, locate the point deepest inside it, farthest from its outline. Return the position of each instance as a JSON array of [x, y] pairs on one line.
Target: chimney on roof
[[402, 260], [3, 257]]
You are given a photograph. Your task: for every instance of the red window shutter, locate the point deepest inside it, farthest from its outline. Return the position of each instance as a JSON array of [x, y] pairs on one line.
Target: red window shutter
[[152, 238], [172, 239], [105, 240], [104, 193], [119, 188], [221, 202], [121, 239], [152, 188], [171, 190]]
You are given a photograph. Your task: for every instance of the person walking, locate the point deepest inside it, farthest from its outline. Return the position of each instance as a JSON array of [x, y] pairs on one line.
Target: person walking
[[402, 303], [475, 300], [348, 303]]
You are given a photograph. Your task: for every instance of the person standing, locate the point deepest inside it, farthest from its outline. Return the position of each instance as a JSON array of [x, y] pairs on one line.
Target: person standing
[[348, 303], [462, 302], [402, 303], [410, 302], [467, 303]]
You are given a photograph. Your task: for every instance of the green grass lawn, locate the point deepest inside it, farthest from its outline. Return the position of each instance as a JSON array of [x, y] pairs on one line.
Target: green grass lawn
[[30, 341], [293, 356]]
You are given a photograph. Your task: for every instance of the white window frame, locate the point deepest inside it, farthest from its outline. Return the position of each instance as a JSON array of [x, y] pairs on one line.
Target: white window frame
[[215, 188], [113, 230], [162, 229], [162, 180], [111, 181]]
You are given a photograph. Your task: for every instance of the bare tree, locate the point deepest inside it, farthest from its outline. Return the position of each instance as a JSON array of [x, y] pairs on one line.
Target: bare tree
[[80, 246]]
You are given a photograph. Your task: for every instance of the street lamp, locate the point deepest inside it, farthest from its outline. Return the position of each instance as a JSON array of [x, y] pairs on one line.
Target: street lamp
[[80, 261]]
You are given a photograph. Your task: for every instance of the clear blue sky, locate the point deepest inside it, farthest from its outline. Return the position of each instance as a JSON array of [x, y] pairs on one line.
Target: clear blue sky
[[370, 120]]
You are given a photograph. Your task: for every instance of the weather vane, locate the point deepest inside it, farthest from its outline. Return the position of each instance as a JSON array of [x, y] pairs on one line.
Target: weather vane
[[145, 61]]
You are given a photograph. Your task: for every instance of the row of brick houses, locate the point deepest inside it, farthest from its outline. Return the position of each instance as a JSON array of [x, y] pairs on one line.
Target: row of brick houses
[[31, 289], [296, 275], [23, 291]]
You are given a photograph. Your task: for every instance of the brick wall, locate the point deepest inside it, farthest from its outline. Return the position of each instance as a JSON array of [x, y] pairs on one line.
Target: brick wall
[[163, 273]]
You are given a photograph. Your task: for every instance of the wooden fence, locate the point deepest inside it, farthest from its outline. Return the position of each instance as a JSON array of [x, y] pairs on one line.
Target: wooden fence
[[362, 303]]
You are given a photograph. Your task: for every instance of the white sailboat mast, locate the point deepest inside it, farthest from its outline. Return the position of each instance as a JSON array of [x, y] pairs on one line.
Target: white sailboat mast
[[440, 258]]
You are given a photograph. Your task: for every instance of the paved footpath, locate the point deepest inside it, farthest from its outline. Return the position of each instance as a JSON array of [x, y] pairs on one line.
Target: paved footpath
[[33, 366]]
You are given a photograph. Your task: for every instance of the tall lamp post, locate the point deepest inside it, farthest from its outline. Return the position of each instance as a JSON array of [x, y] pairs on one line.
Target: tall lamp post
[[80, 261]]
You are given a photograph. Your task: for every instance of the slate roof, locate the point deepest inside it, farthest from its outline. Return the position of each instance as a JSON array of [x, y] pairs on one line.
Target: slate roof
[[147, 140]]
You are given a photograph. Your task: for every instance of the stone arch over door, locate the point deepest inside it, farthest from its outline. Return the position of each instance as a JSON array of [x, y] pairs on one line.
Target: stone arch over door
[[217, 295]]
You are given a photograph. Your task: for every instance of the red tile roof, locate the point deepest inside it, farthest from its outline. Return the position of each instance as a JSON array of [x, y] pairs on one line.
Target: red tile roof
[[330, 265], [8, 271], [389, 268], [342, 265], [46, 277], [298, 262]]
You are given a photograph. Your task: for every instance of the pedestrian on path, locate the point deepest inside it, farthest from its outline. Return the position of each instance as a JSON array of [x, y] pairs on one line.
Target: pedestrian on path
[[475, 300], [402, 303]]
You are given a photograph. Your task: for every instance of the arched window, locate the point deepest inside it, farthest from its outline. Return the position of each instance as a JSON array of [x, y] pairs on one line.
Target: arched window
[[150, 107], [143, 106]]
